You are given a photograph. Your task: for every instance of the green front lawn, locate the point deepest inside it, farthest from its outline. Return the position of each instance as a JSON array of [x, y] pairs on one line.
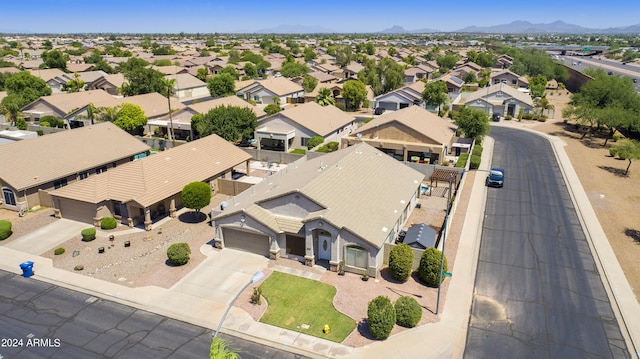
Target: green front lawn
[[298, 151], [295, 301]]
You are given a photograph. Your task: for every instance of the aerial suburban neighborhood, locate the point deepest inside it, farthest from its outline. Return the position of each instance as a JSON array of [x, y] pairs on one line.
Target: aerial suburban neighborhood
[[298, 192]]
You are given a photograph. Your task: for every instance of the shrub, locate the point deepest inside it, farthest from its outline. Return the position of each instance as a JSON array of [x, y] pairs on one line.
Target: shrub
[[5, 229], [615, 137], [613, 151], [381, 317], [78, 267], [400, 262], [58, 251], [475, 162], [462, 160], [272, 109], [255, 297], [40, 132], [21, 124], [45, 124], [178, 253], [108, 223], [314, 141], [429, 269], [88, 234], [477, 150], [408, 312], [341, 106]]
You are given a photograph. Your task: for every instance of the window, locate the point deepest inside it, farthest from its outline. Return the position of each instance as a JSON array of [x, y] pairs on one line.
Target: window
[[84, 175], [9, 197], [117, 209], [357, 257], [304, 141], [514, 82], [60, 183], [101, 169]]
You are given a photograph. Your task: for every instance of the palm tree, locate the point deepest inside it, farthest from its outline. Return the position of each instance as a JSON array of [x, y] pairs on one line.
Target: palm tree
[[168, 83], [108, 114], [544, 105], [219, 350], [325, 98], [92, 113]]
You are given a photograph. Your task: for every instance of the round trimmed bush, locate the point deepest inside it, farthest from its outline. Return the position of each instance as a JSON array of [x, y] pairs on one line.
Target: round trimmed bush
[[475, 162], [408, 312], [58, 251], [429, 269], [381, 317], [108, 223], [178, 253], [400, 262], [5, 229], [88, 234]]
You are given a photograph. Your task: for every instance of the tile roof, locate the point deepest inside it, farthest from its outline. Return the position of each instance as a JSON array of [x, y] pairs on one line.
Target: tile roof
[[32, 162], [278, 85], [186, 81], [153, 104], [69, 101], [154, 178], [322, 120], [430, 125], [488, 91], [361, 189]]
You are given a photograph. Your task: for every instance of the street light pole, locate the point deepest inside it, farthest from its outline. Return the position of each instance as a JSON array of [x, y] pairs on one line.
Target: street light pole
[[256, 277], [444, 242]]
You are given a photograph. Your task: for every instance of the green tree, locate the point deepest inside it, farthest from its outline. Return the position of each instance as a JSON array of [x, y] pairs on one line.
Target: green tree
[[392, 51], [11, 105], [626, 150], [309, 54], [22, 89], [609, 102], [196, 196], [435, 93], [231, 71], [325, 97], [131, 118], [108, 114], [448, 61], [250, 70], [234, 57], [473, 123], [202, 74], [537, 85], [293, 69], [309, 83], [355, 94], [232, 123], [371, 48], [384, 76], [55, 59], [74, 85], [219, 350], [221, 85], [344, 55]]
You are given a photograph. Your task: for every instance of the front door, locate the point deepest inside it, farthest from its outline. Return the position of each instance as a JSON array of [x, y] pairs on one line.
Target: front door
[[324, 246]]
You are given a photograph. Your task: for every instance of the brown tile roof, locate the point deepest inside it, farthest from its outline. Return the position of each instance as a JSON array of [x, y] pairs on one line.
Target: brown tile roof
[[186, 81], [488, 91], [67, 102], [320, 119], [428, 124], [154, 178], [153, 104], [32, 162], [279, 85], [47, 74], [205, 106]]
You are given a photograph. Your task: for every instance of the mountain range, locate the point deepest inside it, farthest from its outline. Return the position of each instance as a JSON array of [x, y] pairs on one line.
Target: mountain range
[[515, 27]]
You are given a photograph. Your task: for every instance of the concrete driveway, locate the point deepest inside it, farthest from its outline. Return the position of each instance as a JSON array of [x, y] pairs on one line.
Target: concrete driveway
[[47, 237], [221, 276]]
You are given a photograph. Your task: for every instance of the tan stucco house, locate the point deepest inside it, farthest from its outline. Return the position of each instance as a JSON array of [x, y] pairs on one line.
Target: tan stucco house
[[31, 168], [337, 209], [144, 190], [411, 134]]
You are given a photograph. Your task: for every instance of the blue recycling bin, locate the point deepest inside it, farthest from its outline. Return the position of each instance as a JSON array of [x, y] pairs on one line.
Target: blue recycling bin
[[27, 269]]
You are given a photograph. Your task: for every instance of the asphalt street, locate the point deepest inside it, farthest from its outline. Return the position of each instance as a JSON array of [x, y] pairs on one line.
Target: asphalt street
[[41, 320], [538, 293]]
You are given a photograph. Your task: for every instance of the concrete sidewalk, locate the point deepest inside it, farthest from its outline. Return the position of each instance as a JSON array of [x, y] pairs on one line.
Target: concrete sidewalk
[[444, 339]]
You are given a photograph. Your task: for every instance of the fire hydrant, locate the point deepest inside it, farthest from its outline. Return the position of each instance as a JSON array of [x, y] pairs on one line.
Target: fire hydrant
[[326, 329]]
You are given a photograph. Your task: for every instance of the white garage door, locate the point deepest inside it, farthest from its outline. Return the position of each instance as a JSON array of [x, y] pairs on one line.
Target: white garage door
[[246, 241], [77, 210]]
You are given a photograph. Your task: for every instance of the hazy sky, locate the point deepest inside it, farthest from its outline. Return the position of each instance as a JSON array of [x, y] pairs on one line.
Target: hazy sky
[[191, 16]]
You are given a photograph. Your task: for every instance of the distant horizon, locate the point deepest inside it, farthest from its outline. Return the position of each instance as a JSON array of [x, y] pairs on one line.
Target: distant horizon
[[250, 16]]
